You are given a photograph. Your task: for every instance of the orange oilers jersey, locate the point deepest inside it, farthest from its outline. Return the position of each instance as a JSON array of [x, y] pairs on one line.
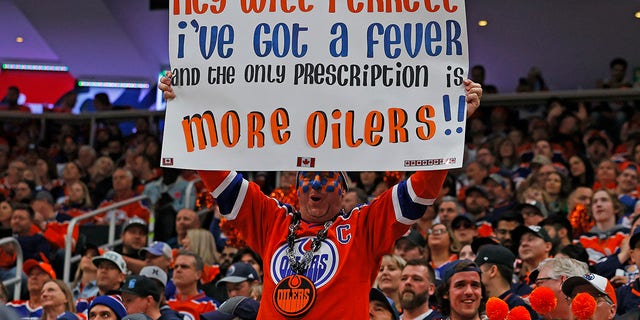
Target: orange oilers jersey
[[191, 307], [600, 245], [345, 266], [56, 233]]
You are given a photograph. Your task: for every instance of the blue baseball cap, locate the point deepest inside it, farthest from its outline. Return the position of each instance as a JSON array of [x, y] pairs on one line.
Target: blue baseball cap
[[239, 272], [236, 307], [376, 295], [158, 248], [452, 268]]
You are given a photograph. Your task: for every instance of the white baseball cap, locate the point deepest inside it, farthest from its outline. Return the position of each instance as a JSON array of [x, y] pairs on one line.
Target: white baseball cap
[[597, 282], [112, 257]]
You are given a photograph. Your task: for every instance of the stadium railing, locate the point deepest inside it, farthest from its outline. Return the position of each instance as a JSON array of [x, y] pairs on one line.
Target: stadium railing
[[111, 241]]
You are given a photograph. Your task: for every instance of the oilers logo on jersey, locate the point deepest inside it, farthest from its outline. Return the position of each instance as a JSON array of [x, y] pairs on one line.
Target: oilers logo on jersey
[[322, 268]]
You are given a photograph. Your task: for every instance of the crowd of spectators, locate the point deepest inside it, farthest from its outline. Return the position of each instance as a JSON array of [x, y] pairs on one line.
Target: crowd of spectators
[[540, 183]]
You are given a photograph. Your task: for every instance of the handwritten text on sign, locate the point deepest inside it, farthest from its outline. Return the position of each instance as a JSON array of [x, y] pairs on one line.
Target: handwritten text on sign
[[348, 84]]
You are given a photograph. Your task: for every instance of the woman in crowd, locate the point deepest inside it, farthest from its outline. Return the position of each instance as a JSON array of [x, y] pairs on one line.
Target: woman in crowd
[[536, 197], [70, 174], [388, 279], [45, 175], [506, 155], [79, 200], [556, 192], [606, 236], [57, 301], [581, 171], [606, 173], [201, 242], [443, 247], [466, 253]]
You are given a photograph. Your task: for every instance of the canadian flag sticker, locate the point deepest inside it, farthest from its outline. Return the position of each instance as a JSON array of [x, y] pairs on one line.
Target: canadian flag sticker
[[167, 161], [307, 162]]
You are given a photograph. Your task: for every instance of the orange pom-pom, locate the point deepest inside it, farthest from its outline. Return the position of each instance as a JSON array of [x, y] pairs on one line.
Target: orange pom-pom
[[519, 313], [497, 309], [205, 200], [580, 220], [583, 306], [543, 300], [234, 238]]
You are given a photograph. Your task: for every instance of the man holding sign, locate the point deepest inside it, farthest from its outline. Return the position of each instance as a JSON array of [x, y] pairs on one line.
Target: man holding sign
[[320, 262]]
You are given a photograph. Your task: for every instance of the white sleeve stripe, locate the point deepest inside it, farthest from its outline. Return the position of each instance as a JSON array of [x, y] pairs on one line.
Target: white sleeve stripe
[[415, 198], [225, 183], [239, 200]]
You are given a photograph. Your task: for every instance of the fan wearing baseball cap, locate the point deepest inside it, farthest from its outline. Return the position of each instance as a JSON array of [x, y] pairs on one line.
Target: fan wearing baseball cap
[[461, 294], [239, 280], [112, 271], [160, 278], [243, 308], [496, 263], [38, 273], [411, 246], [141, 295], [534, 245], [381, 307], [134, 238], [598, 287]]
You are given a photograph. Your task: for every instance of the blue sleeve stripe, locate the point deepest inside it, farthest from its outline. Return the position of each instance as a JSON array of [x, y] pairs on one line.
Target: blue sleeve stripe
[[225, 183], [406, 209], [230, 198]]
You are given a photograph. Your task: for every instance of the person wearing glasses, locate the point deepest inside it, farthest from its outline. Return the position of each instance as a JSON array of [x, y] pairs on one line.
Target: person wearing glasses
[[443, 248], [551, 273], [464, 229], [189, 300], [599, 288]]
